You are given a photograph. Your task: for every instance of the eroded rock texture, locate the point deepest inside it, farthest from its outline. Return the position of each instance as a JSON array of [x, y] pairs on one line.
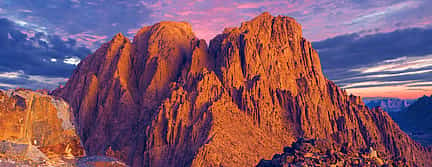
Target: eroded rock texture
[[166, 99], [36, 129]]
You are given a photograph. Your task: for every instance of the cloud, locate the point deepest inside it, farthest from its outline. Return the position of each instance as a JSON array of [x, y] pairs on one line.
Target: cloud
[[35, 60], [10, 74], [72, 60], [356, 50], [386, 11], [19, 79], [397, 60], [352, 27], [367, 84], [94, 18], [88, 38], [255, 5], [320, 18], [398, 64], [399, 91]]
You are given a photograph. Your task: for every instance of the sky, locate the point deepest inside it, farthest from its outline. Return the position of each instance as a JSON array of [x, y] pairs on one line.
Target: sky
[[368, 47]]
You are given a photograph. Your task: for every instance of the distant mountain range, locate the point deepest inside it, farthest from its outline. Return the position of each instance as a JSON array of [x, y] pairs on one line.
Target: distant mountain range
[[416, 120], [412, 115], [388, 104]]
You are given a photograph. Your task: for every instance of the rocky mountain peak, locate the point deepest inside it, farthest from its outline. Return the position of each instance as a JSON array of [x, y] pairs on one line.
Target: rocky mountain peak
[[177, 32], [423, 104], [167, 99], [275, 24], [119, 36]]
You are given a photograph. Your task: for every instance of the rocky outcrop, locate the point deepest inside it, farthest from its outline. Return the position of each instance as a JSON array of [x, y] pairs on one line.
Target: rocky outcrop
[[118, 92], [310, 152], [99, 161], [166, 99], [36, 129]]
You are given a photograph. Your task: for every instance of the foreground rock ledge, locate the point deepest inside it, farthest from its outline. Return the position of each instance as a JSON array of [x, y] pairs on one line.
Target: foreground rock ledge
[[311, 152], [36, 130]]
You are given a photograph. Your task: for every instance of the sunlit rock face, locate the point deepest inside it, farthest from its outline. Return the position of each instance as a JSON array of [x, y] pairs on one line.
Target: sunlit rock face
[[166, 99], [37, 129]]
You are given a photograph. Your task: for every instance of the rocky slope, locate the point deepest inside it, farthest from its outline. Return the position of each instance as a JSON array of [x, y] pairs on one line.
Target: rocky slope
[[166, 99], [36, 130], [416, 120], [310, 152], [388, 104]]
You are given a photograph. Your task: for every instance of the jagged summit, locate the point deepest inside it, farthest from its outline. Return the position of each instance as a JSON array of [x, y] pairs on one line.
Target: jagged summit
[[167, 99], [119, 36], [266, 20], [166, 29]]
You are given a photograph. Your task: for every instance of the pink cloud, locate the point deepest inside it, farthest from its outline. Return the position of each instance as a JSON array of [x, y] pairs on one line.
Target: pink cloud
[[252, 5], [87, 39], [392, 91], [29, 33], [133, 30], [25, 10]]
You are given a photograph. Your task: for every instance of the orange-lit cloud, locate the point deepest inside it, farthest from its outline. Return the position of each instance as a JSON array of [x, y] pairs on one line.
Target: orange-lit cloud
[[398, 91]]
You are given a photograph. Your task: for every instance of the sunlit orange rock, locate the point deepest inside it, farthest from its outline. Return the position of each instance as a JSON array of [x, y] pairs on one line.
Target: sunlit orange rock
[[165, 99], [37, 128]]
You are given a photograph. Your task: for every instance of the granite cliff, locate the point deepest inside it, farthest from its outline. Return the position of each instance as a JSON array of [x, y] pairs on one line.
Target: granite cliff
[[167, 99]]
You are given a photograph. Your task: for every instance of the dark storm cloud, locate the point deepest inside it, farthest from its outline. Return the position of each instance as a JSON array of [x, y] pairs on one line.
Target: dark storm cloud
[[35, 58], [355, 50], [394, 61], [101, 17]]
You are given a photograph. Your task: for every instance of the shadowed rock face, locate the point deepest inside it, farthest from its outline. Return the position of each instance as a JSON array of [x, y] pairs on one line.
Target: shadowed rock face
[[37, 128], [165, 99]]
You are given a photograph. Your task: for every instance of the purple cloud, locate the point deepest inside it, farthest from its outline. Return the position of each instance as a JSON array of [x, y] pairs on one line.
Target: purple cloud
[[321, 19]]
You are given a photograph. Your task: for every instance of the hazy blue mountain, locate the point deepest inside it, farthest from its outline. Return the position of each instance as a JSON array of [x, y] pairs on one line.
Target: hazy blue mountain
[[388, 104], [416, 120]]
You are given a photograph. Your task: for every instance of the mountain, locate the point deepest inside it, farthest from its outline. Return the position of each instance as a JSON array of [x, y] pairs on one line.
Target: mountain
[[388, 104], [166, 99], [36, 130], [416, 120]]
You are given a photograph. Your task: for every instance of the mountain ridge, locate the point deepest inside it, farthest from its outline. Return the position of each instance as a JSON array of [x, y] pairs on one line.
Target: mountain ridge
[[166, 99], [388, 104], [416, 120]]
